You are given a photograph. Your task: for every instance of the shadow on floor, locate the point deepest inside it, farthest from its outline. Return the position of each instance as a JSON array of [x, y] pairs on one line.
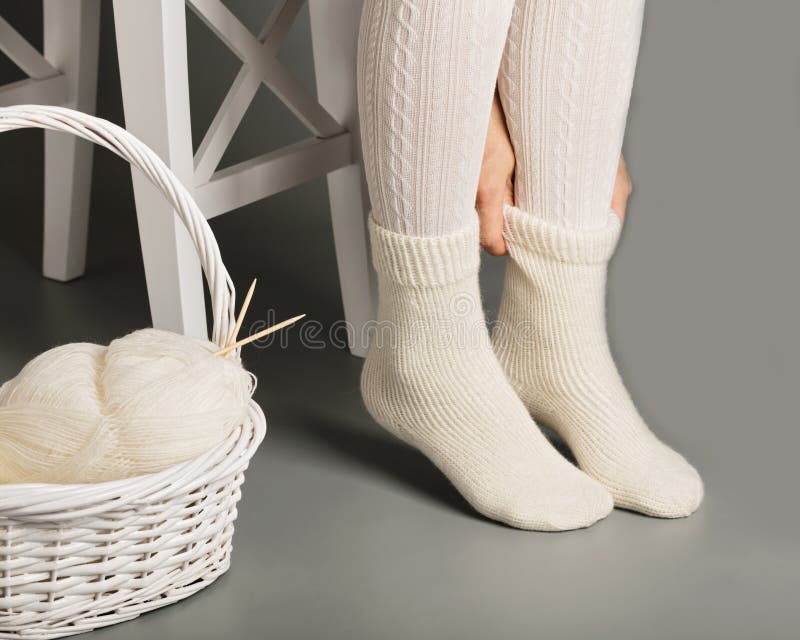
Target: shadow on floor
[[389, 458], [383, 456]]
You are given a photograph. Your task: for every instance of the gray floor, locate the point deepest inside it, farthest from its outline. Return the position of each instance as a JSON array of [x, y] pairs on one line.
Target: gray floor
[[345, 533]]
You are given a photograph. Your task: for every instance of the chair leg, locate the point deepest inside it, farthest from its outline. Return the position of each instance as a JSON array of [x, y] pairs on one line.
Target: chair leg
[[334, 34], [151, 44], [71, 34]]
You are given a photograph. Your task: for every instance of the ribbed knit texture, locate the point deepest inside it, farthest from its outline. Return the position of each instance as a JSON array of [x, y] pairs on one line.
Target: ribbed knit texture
[[432, 380], [426, 75], [565, 84], [551, 341]]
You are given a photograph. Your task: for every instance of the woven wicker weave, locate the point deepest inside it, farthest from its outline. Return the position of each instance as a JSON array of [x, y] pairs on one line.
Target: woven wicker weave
[[77, 557]]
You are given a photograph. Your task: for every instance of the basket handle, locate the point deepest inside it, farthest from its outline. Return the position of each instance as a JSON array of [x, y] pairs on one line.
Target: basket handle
[[139, 155]]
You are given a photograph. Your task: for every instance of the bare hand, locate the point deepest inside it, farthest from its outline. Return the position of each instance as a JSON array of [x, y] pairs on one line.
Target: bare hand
[[496, 182]]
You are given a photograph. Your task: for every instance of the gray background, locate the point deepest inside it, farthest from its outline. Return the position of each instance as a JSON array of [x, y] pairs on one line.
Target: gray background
[[343, 532]]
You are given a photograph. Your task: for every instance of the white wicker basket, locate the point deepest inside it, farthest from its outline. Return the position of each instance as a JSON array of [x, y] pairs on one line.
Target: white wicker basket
[[77, 557]]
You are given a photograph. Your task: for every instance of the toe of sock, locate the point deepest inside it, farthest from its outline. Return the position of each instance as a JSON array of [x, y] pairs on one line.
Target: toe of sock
[[588, 503], [665, 488], [680, 495], [574, 502]]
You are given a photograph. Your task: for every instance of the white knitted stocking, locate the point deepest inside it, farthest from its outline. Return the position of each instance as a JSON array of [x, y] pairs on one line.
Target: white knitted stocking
[[427, 70], [565, 84], [551, 340], [432, 380]]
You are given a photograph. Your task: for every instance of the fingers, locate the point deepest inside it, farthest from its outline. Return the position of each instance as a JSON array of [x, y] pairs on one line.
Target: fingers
[[494, 183], [490, 214], [622, 190]]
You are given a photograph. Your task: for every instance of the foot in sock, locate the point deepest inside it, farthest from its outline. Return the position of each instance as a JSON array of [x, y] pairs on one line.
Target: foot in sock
[[551, 340], [432, 380]]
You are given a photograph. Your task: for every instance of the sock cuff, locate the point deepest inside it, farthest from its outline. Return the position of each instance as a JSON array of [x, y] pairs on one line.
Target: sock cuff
[[425, 261], [564, 244]]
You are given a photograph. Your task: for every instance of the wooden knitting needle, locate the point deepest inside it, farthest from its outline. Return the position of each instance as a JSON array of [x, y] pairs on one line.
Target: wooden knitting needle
[[257, 336], [242, 311]]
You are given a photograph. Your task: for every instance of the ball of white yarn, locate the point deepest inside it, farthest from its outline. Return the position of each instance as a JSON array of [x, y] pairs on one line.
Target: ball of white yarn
[[88, 413]]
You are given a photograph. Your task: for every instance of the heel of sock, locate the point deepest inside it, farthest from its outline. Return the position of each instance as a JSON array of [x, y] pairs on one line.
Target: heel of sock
[[376, 393]]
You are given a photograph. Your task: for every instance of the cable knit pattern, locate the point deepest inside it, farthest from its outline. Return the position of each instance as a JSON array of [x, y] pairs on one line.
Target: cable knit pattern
[[426, 75], [550, 339], [565, 83], [432, 380]]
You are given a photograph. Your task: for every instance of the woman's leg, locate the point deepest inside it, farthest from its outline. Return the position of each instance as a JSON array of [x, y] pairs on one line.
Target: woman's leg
[[565, 84], [427, 71]]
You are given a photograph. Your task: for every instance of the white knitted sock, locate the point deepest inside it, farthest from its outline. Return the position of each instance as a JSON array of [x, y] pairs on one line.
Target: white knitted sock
[[551, 340], [565, 83], [432, 380]]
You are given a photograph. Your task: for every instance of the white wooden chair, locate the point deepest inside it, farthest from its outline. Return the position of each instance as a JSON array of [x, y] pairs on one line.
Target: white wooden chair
[[151, 42], [65, 75]]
